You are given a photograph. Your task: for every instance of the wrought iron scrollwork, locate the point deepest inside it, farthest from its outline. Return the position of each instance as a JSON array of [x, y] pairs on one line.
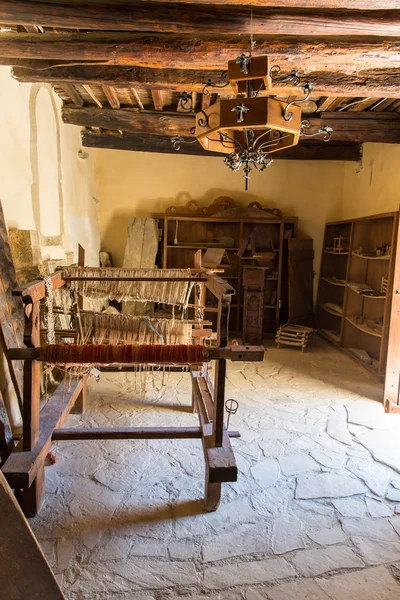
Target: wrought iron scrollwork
[[307, 88], [325, 131], [293, 77], [185, 102], [177, 140], [216, 84], [202, 122]]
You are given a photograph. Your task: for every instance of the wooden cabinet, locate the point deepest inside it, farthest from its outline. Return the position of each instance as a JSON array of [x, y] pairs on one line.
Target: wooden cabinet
[[355, 287], [183, 235]]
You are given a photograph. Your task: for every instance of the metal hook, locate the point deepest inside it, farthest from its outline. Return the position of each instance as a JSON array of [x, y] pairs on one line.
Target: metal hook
[[307, 88], [293, 76]]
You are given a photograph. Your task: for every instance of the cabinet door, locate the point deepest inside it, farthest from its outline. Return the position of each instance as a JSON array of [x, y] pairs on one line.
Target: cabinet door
[[300, 278]]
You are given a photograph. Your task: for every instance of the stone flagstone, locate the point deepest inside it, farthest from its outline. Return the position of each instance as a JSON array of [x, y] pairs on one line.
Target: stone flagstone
[[337, 429], [329, 459], [311, 563], [377, 552], [296, 464], [328, 485], [350, 507], [303, 589], [379, 529], [367, 413], [237, 541], [393, 494], [377, 509], [326, 537], [266, 472], [369, 584], [383, 447], [375, 476], [247, 573], [287, 534]]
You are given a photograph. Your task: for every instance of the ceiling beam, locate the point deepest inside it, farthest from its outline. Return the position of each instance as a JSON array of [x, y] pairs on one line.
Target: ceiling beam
[[346, 55], [130, 121], [158, 101], [111, 96], [347, 127], [170, 18], [162, 144], [363, 83], [71, 91]]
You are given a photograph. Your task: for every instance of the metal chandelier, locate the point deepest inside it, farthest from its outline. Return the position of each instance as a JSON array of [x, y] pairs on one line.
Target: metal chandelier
[[253, 124]]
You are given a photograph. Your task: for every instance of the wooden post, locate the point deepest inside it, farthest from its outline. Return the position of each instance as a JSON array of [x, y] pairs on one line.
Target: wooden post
[[32, 497], [80, 403], [24, 571], [391, 397]]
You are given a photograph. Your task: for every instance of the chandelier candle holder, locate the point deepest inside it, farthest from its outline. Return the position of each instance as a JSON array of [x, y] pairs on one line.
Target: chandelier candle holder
[[254, 124]]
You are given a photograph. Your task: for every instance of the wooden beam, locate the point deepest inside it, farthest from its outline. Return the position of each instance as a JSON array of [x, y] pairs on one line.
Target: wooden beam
[[91, 93], [70, 90], [157, 99], [130, 121], [34, 12], [24, 570], [111, 96], [347, 127], [375, 83], [209, 52], [170, 18], [162, 144], [21, 467]]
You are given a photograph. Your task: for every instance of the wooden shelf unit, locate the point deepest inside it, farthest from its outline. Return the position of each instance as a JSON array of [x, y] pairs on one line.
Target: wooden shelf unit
[[366, 232], [197, 232]]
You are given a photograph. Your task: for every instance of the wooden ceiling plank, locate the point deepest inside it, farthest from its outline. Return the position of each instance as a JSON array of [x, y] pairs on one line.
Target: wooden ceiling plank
[[32, 29], [154, 51], [71, 91], [137, 98], [111, 96], [328, 103], [162, 144], [381, 104], [158, 100], [394, 106], [373, 83], [93, 96], [362, 105], [347, 127], [205, 101], [170, 18]]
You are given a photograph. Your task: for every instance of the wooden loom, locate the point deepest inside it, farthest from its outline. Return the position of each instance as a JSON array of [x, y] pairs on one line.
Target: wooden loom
[[24, 469]]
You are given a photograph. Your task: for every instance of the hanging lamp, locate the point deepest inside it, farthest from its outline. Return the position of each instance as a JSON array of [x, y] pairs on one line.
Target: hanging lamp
[[253, 124]]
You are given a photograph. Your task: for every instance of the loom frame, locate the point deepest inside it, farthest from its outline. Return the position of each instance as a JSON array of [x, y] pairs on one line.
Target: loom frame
[[24, 469]]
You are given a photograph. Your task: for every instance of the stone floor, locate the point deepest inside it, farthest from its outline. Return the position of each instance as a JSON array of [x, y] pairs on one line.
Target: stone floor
[[314, 515]]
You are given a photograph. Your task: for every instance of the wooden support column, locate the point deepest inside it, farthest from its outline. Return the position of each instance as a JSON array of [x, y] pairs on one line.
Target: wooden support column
[[32, 497], [391, 396]]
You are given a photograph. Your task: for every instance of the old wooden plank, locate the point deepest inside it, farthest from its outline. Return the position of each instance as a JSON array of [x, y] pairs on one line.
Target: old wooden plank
[[210, 52], [21, 467], [130, 121], [157, 99], [24, 570], [162, 144], [112, 96], [170, 18], [61, 12], [71, 91]]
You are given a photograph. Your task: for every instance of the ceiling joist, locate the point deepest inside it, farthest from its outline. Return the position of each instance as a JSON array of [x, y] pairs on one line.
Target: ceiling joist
[[347, 127], [170, 18], [162, 144], [370, 83]]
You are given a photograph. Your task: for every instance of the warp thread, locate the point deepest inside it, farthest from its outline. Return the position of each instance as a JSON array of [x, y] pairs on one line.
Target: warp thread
[[176, 293], [126, 329], [106, 354]]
